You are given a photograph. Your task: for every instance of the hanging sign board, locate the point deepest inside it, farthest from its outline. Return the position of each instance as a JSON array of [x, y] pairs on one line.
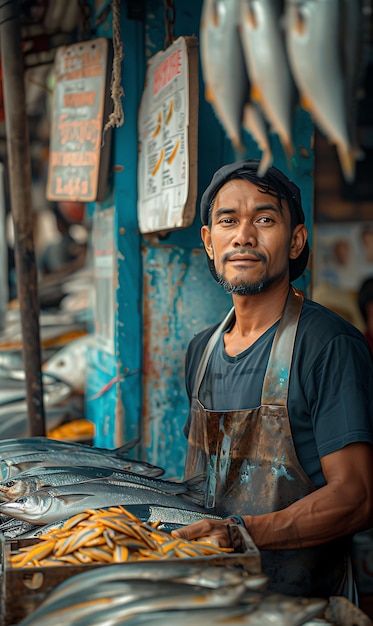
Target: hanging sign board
[[168, 120], [79, 153]]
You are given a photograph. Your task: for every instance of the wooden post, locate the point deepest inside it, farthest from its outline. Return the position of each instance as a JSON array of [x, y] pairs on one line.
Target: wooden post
[[20, 196]]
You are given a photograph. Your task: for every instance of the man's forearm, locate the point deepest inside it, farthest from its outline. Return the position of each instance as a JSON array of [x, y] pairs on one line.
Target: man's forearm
[[322, 516]]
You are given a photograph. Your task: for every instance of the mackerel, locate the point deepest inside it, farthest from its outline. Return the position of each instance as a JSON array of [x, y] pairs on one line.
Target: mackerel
[[15, 464], [49, 505], [41, 477], [211, 576]]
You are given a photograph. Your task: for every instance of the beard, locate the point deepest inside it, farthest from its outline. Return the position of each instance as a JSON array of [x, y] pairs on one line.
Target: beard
[[244, 288]]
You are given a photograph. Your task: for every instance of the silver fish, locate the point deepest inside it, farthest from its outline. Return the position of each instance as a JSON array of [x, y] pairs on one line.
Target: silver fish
[[42, 477], [210, 576], [14, 418], [16, 458], [124, 600], [223, 66], [269, 72], [226, 616], [12, 528], [49, 505], [69, 363], [267, 610], [171, 518], [45, 444], [12, 467], [312, 39], [285, 610]]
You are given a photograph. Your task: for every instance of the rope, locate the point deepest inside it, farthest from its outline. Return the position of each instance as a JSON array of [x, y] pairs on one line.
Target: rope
[[116, 118]]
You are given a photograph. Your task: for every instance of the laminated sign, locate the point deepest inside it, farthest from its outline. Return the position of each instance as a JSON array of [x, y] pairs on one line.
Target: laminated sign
[[79, 154], [167, 169]]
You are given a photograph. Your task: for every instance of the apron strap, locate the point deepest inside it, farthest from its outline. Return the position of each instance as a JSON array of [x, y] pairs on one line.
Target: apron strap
[[276, 380], [208, 349]]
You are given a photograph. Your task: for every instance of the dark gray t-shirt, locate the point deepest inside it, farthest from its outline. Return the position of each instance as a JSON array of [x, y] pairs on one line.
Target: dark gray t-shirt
[[330, 401]]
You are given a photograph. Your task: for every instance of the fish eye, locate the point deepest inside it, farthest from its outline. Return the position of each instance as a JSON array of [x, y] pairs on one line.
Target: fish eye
[[10, 483], [22, 500]]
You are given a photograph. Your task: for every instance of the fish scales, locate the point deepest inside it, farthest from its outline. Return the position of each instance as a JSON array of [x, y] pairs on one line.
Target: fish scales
[[38, 477], [13, 466]]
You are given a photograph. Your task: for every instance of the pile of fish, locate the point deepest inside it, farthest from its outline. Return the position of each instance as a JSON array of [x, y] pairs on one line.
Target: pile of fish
[[170, 593], [262, 58], [45, 481], [112, 535]]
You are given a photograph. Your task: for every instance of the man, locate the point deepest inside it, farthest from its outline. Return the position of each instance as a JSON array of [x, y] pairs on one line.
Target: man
[[281, 394]]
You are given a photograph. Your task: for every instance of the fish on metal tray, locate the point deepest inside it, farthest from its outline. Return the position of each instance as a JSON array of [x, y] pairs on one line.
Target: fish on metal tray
[[272, 85], [313, 46], [52, 504], [223, 65], [41, 477], [16, 457]]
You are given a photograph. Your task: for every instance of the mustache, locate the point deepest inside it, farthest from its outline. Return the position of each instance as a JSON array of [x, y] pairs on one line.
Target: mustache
[[244, 251]]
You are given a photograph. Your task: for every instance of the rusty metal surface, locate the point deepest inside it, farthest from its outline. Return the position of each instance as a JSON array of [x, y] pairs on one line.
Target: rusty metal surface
[[180, 299], [20, 194]]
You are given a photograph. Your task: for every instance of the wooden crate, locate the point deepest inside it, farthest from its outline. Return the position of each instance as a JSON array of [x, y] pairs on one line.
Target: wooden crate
[[22, 590]]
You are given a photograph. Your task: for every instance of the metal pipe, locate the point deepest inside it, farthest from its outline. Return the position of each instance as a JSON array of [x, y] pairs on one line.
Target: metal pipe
[[18, 154]]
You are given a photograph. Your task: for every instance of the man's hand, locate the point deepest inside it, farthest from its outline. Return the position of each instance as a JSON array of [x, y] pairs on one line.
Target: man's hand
[[207, 529]]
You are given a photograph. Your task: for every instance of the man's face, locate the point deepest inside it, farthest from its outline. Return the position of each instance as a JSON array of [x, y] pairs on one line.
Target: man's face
[[250, 239]]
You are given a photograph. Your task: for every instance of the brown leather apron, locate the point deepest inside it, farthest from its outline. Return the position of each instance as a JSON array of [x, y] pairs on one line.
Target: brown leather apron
[[251, 466]]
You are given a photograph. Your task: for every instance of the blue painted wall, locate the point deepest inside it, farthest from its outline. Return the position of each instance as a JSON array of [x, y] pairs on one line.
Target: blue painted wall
[[164, 292], [114, 380]]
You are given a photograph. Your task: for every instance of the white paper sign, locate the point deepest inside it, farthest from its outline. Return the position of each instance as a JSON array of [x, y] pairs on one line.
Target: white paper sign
[[164, 126]]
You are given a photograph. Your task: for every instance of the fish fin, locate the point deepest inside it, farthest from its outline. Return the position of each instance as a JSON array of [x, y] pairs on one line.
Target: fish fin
[[73, 497], [129, 445]]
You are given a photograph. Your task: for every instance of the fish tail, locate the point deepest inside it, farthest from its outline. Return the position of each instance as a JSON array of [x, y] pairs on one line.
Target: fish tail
[[347, 158], [288, 149], [265, 162]]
